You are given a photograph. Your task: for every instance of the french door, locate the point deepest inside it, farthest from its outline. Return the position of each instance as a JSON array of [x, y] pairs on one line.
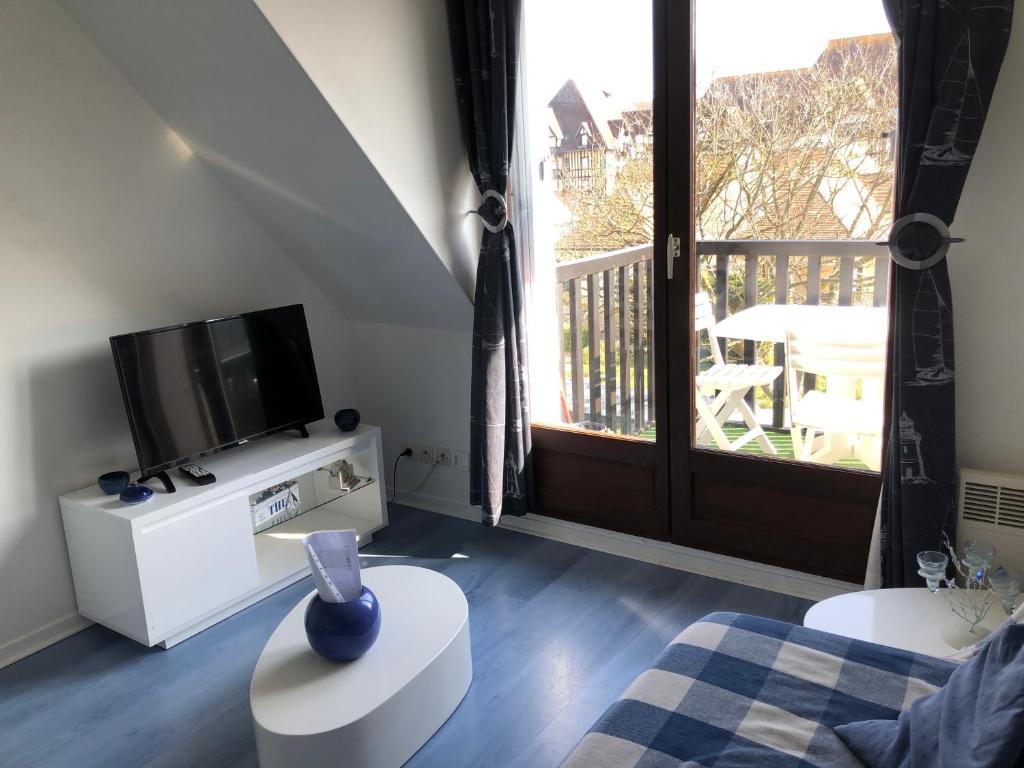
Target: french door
[[775, 310], [642, 438]]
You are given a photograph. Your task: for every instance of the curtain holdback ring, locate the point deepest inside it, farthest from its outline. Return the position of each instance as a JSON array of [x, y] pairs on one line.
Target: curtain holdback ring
[[919, 218], [500, 201]]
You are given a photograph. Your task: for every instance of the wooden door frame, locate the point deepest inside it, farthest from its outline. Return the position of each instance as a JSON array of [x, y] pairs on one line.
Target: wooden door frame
[[662, 33], [567, 461], [678, 206]]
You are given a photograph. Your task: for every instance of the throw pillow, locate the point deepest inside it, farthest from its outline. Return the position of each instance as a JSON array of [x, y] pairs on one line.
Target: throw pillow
[[976, 720]]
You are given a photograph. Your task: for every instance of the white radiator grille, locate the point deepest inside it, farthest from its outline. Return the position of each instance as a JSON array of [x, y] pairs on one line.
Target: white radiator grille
[[992, 499]]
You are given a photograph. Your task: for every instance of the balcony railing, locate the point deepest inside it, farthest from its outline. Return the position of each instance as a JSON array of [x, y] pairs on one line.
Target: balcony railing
[[605, 312], [605, 303]]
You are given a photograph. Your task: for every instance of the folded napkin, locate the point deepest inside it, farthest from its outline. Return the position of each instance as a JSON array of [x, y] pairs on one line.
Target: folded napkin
[[334, 560]]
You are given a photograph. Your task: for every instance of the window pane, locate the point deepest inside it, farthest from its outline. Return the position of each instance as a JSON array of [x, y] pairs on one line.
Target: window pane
[[795, 113], [589, 73]]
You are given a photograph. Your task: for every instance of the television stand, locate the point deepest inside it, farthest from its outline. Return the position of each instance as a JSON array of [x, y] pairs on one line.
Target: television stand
[[164, 570], [163, 477]]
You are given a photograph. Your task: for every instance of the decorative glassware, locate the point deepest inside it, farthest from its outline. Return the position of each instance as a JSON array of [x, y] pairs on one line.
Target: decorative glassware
[[1006, 585], [977, 558], [971, 602], [933, 568]]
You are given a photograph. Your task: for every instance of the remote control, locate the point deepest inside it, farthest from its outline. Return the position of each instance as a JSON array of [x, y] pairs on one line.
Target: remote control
[[197, 474]]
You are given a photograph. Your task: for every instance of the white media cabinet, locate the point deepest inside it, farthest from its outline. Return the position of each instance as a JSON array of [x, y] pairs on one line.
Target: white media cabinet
[[161, 571]]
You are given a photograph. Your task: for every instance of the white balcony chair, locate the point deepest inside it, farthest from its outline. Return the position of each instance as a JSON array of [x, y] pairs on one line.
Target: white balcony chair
[[830, 425], [721, 389]]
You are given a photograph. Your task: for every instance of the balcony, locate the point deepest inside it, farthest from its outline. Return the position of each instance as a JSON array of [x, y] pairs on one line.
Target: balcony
[[604, 308]]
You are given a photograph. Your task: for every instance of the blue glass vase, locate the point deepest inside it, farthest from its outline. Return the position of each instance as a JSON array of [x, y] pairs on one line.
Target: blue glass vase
[[113, 483], [347, 419], [343, 631]]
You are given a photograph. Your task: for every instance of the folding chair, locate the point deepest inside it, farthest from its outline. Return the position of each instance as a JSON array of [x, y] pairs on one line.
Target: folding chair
[[722, 388]]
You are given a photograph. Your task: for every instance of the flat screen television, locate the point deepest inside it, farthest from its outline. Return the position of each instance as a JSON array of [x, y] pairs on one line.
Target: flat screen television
[[201, 387]]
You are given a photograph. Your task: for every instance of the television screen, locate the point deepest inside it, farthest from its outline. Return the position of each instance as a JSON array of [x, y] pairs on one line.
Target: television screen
[[195, 388]]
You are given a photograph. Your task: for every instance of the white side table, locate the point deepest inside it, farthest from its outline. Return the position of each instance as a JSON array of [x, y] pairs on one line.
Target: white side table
[[379, 709], [912, 619]]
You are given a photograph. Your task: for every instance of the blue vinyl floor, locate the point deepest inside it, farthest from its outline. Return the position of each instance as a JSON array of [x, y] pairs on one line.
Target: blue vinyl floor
[[558, 632]]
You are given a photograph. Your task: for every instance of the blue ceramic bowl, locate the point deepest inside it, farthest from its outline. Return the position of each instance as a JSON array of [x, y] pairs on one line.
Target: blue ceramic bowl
[[343, 631], [112, 483], [136, 494], [347, 419]]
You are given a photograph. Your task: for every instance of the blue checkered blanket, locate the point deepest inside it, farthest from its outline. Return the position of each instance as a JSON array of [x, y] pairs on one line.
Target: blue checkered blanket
[[735, 690]]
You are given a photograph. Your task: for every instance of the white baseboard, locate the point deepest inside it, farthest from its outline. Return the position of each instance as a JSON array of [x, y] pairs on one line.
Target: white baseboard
[[20, 647], [697, 561]]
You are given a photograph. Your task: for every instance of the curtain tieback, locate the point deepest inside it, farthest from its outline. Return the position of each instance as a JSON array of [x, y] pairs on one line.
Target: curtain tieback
[[928, 236], [492, 207]]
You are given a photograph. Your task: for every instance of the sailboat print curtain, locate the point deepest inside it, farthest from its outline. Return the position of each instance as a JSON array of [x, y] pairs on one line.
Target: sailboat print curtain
[[484, 38], [950, 52]]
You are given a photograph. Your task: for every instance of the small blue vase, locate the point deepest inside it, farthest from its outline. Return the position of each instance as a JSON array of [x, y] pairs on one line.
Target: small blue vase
[[347, 419], [113, 483], [343, 631]]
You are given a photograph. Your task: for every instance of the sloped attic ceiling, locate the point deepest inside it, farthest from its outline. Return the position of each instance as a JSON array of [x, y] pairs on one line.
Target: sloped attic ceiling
[[222, 78]]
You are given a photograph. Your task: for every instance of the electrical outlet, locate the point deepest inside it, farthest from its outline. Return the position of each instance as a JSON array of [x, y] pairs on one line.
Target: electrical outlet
[[460, 460], [424, 454], [443, 457]]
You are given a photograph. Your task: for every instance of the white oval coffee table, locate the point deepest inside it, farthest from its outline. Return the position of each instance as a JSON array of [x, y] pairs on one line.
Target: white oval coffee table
[[375, 711], [913, 619]]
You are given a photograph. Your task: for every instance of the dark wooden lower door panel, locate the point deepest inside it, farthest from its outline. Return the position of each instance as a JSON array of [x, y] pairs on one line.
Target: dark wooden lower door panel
[[605, 481], [809, 518], [806, 518]]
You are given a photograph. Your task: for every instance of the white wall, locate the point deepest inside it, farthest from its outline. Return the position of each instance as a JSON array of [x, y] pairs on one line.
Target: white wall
[[987, 273], [385, 69], [220, 75], [414, 383], [108, 224]]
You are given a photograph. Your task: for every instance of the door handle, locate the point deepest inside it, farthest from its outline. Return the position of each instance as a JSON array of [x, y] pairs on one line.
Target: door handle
[[673, 248]]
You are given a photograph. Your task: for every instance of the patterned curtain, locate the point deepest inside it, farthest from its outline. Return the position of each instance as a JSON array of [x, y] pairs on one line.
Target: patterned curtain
[[950, 55], [484, 43]]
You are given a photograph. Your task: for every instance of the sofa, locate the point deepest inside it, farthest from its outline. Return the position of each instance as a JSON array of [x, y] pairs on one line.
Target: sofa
[[735, 691]]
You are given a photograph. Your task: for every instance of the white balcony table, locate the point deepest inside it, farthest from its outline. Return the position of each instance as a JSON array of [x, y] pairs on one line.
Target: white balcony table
[[769, 322]]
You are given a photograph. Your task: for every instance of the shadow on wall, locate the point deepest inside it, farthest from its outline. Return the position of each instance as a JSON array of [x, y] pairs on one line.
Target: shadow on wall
[[77, 424], [341, 260], [72, 427], [464, 227]]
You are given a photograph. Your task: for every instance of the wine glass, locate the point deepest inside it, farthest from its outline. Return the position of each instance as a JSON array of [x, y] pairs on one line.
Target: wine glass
[[1006, 585], [933, 568], [977, 557]]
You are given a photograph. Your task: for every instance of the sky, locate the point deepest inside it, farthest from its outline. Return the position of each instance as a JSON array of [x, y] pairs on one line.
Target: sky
[[607, 43]]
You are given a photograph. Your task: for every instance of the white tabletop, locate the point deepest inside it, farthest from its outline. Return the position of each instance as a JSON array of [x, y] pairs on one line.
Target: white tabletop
[[294, 691], [769, 322], [913, 619]]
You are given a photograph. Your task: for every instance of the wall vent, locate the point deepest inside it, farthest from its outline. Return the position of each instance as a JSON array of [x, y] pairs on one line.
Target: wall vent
[[991, 507], [994, 499]]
